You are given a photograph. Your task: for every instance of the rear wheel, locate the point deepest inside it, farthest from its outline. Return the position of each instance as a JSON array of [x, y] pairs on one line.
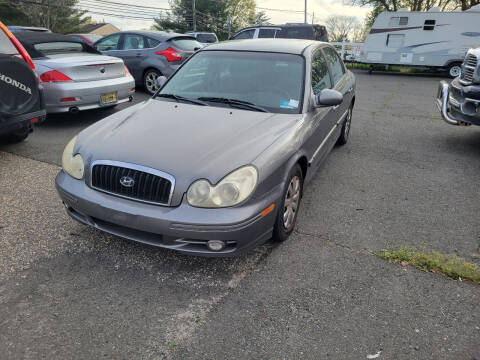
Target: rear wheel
[[150, 80], [454, 70], [288, 210], [19, 135]]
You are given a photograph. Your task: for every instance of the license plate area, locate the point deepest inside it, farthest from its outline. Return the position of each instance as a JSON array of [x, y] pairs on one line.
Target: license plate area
[[108, 98]]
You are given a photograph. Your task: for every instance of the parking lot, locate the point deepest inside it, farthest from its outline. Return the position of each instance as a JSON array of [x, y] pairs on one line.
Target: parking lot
[[404, 178]]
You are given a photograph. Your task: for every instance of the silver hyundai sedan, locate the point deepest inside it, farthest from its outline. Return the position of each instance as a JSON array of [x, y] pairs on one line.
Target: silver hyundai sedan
[[215, 162], [74, 75]]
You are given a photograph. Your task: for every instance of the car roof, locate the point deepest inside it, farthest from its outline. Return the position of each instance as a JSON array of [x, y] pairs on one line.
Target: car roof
[[289, 46], [160, 35], [29, 39], [287, 25]]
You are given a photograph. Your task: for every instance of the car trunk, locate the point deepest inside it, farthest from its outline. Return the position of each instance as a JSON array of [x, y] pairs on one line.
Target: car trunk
[[84, 66]]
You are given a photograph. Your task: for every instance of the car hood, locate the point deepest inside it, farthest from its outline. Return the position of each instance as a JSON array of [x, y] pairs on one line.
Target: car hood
[[189, 142]]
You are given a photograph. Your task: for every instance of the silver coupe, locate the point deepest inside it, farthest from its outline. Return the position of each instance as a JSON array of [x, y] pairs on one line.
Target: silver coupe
[[215, 162], [75, 76]]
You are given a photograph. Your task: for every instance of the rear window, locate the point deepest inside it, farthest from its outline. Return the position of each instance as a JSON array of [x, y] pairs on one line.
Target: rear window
[[6, 46], [206, 38], [186, 44], [58, 47]]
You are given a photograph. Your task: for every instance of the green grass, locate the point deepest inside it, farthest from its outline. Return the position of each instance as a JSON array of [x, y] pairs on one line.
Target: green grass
[[390, 68], [433, 261]]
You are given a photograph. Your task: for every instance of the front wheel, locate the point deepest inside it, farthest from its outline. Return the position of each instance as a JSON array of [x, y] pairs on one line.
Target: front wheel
[[150, 80], [288, 210], [455, 70]]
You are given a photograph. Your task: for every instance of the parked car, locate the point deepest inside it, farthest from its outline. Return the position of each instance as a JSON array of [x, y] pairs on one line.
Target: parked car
[[74, 75], [287, 31], [459, 101], [204, 37], [214, 164], [14, 28], [149, 54], [21, 100], [86, 38]]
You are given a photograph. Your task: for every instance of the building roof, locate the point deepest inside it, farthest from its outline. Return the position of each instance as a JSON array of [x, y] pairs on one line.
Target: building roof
[[91, 27], [288, 46]]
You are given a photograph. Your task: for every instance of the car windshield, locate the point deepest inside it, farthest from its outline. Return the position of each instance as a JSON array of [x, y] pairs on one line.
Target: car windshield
[[271, 81]]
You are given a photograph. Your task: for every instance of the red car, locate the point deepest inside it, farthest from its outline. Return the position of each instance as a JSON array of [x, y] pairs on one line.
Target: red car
[[86, 38]]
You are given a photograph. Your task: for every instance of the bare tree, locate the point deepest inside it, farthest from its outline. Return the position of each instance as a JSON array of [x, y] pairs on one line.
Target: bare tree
[[341, 27]]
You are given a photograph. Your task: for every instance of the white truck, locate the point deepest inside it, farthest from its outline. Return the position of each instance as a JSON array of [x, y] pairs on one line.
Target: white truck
[[430, 39]]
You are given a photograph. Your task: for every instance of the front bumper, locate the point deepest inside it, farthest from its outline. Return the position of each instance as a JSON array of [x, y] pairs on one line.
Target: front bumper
[[183, 228], [87, 93], [455, 107]]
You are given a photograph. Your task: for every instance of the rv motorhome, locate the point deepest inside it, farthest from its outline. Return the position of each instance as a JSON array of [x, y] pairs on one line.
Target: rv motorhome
[[432, 39]]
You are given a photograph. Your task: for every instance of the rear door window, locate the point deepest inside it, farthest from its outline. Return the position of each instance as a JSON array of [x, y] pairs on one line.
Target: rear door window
[[153, 43], [6, 46], [247, 34], [267, 33], [335, 64], [186, 44], [109, 43], [134, 42]]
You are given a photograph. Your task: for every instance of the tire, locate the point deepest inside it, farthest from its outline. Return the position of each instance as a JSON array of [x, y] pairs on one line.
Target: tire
[[18, 87], [293, 190], [150, 80], [454, 70], [343, 139], [18, 135]]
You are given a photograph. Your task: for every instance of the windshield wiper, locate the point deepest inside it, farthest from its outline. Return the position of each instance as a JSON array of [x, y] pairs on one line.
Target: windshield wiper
[[234, 103], [181, 98]]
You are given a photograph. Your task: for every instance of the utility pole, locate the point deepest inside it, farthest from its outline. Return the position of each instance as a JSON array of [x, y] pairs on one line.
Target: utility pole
[[305, 20], [195, 16]]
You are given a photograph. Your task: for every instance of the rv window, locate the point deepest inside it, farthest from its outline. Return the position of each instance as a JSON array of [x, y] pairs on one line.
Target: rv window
[[398, 21], [429, 25], [395, 40]]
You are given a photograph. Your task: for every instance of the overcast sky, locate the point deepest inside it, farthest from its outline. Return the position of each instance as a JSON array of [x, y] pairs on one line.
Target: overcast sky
[[321, 8]]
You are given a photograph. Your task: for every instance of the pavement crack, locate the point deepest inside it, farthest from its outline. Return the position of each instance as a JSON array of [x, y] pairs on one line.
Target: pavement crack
[[331, 242]]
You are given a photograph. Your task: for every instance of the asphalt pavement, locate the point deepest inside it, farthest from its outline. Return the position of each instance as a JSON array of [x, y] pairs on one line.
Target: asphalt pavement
[[405, 177]]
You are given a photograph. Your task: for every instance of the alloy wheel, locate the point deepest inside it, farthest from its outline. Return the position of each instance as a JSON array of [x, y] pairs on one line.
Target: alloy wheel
[[151, 82], [292, 200]]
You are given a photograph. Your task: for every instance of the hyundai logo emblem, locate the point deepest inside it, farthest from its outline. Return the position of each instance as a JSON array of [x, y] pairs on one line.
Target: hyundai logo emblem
[[127, 181], [102, 70]]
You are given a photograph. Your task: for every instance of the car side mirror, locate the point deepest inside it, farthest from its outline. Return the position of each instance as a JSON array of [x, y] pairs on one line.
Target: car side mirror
[[161, 80], [328, 97]]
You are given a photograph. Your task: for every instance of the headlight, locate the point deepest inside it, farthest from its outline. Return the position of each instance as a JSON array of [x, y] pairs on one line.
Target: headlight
[[231, 190], [72, 165]]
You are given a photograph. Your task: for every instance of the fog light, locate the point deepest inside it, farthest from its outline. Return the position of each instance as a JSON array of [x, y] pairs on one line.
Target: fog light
[[216, 245]]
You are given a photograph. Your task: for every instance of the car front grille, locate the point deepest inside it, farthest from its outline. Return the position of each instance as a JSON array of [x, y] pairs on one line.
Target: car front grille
[[132, 182], [469, 67]]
